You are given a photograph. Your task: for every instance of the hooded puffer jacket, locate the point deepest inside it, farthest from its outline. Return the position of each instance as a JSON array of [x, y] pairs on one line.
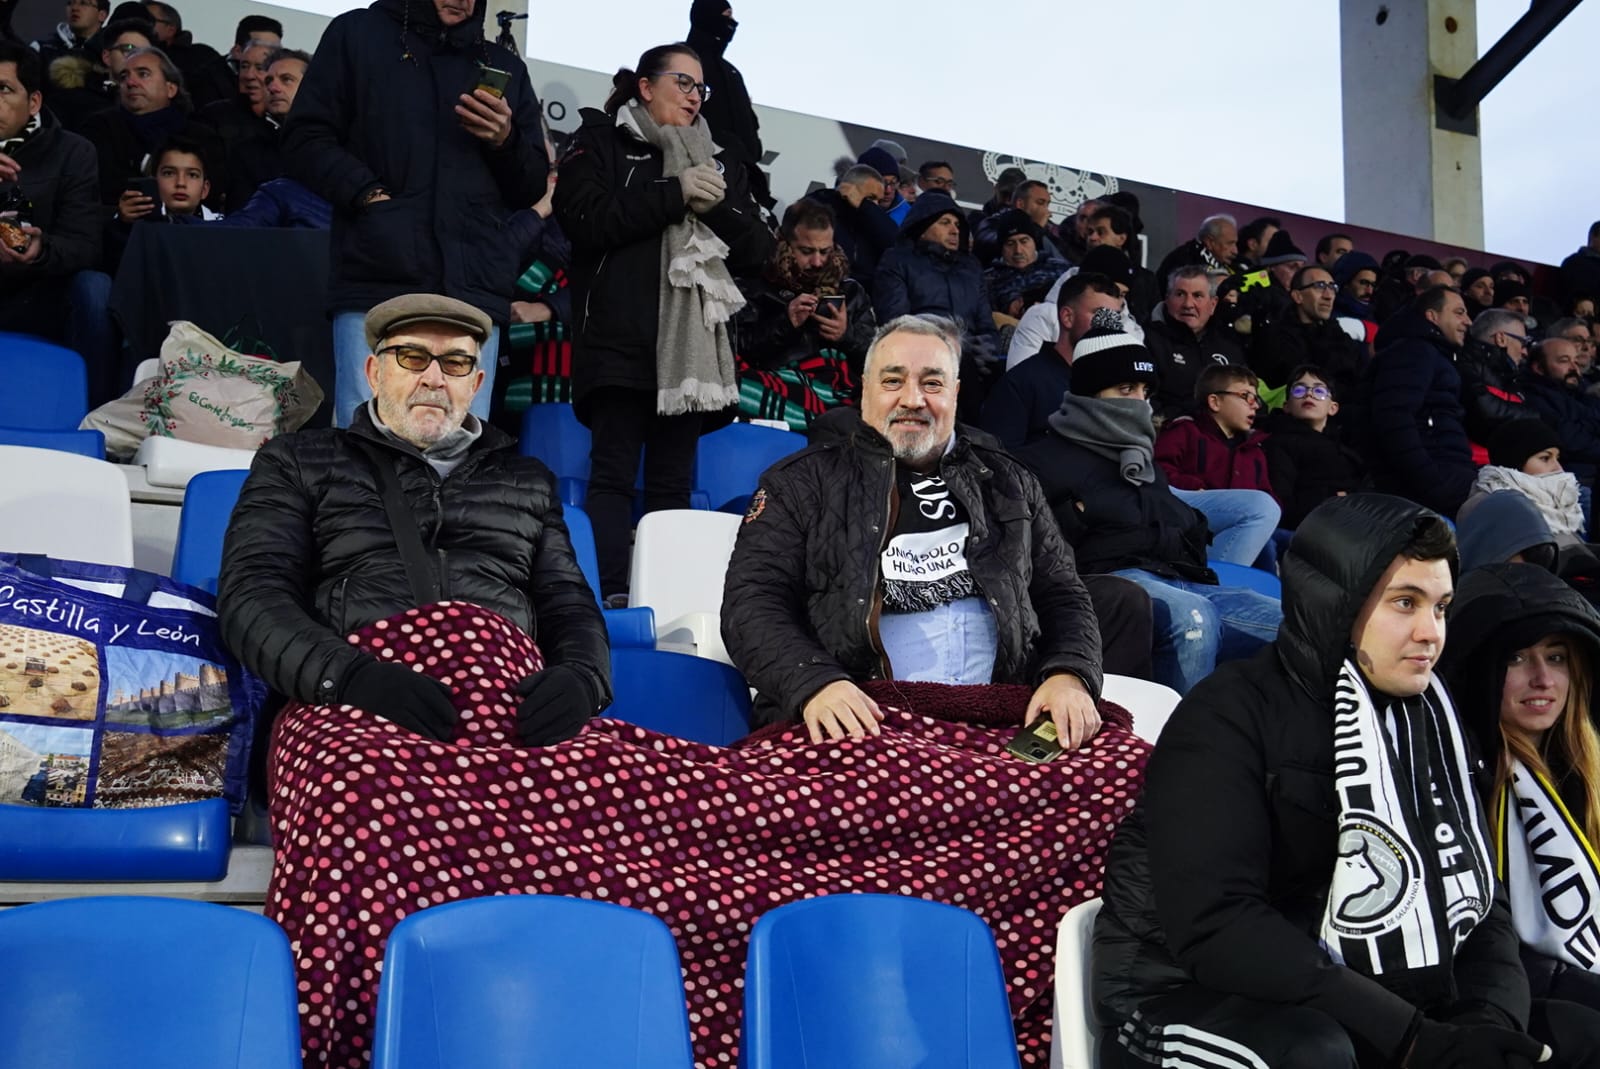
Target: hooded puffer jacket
[[917, 277], [1492, 527], [1220, 875], [803, 592], [377, 109]]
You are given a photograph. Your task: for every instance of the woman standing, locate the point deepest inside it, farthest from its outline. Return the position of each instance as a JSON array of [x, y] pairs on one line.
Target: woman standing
[[657, 225], [1520, 662]]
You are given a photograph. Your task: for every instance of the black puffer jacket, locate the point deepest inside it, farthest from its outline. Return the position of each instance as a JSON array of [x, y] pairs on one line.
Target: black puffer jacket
[[1489, 389], [377, 108], [1181, 355], [1112, 523], [1575, 416], [1307, 466], [803, 592], [1220, 875], [917, 277], [310, 555], [614, 205]]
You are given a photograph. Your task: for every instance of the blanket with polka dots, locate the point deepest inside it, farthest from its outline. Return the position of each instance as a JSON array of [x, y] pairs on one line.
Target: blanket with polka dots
[[373, 823]]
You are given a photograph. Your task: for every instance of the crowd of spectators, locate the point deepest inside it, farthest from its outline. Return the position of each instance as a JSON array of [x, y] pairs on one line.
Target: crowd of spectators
[[1105, 441]]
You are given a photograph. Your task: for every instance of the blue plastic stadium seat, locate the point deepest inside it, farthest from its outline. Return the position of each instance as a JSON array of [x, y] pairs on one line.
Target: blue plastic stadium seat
[[552, 433], [47, 388], [730, 462], [145, 983], [625, 627], [181, 843], [208, 503], [531, 982], [850, 981], [676, 694], [84, 443], [1250, 578]]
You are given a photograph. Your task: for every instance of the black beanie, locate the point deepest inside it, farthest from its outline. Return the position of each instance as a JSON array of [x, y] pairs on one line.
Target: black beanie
[[1281, 250], [1513, 443], [1508, 289], [1472, 275], [1110, 261], [1013, 221], [1107, 356]]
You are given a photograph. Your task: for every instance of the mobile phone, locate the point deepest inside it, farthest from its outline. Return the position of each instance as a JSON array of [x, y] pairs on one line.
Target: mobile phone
[[145, 187], [834, 302], [491, 80], [1038, 742]]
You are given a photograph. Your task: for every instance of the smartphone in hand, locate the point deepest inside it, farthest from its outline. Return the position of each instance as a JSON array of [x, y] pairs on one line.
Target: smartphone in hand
[[145, 187], [832, 303], [1038, 742], [494, 81]]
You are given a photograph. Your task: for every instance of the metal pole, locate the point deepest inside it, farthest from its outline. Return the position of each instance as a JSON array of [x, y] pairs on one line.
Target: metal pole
[[1501, 59]]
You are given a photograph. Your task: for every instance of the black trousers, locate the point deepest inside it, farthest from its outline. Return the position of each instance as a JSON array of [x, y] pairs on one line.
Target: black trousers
[[623, 424], [1127, 630], [1194, 1028]]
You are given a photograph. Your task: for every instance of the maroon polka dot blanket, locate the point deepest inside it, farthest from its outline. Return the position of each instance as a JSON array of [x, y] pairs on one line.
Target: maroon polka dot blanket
[[374, 823]]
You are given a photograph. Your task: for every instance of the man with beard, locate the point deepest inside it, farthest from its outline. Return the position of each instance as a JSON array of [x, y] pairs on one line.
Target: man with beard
[[806, 324], [1477, 289], [840, 574], [1309, 334], [1415, 432], [317, 547], [1554, 389], [1185, 342]]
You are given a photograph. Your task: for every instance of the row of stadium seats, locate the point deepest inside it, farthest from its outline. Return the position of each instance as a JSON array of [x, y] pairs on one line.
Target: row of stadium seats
[[532, 981]]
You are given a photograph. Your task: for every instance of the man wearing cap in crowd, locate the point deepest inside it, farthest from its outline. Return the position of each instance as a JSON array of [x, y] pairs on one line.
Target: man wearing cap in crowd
[[316, 548], [1027, 263]]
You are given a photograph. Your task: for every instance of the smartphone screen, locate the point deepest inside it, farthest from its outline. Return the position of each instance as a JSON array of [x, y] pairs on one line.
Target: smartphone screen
[[491, 80], [833, 302]]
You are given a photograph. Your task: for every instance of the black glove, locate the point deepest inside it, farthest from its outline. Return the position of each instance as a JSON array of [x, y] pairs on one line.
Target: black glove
[[556, 703], [416, 702], [1476, 1046]]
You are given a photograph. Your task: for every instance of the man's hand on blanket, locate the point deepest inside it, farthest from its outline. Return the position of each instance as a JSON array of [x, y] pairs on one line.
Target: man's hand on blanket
[[1071, 707], [556, 703], [839, 709], [416, 702]]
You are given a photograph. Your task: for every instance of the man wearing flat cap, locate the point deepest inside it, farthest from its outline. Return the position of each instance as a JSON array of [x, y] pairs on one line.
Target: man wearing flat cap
[[417, 501]]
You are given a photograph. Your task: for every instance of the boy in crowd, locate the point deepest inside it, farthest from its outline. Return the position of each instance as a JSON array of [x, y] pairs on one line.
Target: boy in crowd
[[1306, 461], [1214, 462]]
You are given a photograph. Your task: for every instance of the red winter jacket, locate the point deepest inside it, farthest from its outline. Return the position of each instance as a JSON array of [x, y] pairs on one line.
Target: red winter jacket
[[1196, 456]]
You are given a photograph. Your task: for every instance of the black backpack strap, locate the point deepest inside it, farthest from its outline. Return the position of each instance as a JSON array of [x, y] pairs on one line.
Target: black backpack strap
[[418, 561]]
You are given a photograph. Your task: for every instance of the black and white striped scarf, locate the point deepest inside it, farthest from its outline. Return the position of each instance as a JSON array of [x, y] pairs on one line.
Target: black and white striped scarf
[[1412, 879]]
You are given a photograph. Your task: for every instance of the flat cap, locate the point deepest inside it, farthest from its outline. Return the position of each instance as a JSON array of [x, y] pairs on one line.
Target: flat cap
[[411, 308]]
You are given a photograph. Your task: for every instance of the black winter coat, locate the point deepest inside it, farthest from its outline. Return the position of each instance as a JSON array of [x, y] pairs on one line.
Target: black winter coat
[[1575, 416], [1220, 875], [122, 154], [59, 178], [803, 592], [1489, 390], [1416, 440], [1113, 524], [1580, 275], [917, 277], [728, 111], [765, 337], [310, 555], [1181, 355], [1307, 466], [614, 205], [1287, 343], [376, 109]]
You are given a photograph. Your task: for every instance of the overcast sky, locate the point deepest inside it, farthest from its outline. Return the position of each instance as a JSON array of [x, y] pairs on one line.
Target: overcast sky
[[1238, 99]]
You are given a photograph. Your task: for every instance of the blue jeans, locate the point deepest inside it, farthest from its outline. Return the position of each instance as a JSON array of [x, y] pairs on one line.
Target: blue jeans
[[350, 353], [1241, 521], [1197, 625]]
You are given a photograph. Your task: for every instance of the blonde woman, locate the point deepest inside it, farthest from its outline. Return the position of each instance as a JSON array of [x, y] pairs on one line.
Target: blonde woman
[[1521, 660]]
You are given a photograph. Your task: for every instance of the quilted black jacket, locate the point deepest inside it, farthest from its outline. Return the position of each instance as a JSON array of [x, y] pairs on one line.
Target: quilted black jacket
[[310, 556], [801, 601]]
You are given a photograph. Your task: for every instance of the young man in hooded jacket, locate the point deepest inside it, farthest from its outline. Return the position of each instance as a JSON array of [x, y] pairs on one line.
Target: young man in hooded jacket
[[1306, 882]]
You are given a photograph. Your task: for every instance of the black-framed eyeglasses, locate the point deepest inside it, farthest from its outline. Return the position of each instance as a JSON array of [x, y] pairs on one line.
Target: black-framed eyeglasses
[[1300, 389], [686, 84], [1321, 284], [1520, 339], [416, 358], [1244, 395]]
